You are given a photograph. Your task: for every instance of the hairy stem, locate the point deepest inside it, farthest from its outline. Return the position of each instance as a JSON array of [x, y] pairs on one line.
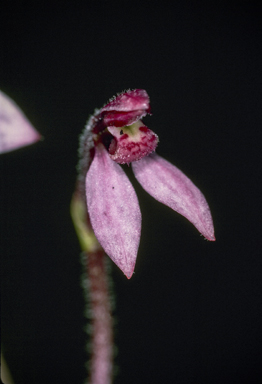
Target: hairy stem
[[101, 363]]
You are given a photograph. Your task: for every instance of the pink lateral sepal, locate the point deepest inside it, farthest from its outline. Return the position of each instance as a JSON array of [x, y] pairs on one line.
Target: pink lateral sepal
[[170, 186], [113, 210], [15, 130]]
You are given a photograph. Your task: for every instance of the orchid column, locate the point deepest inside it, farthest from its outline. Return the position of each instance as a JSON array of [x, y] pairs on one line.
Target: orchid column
[[105, 207]]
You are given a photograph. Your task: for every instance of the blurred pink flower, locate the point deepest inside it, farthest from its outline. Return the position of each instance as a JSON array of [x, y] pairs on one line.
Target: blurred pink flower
[[116, 134], [15, 130]]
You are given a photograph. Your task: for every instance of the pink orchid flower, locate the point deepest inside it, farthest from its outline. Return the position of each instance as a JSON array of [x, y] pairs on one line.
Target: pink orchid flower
[[115, 134], [15, 130]]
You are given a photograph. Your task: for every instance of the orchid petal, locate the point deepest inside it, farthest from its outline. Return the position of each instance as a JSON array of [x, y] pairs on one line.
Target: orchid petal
[[170, 186], [128, 101], [114, 210], [126, 108], [120, 119], [15, 130]]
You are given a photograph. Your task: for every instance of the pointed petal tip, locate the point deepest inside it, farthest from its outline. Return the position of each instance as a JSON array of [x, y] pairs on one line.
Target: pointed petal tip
[[124, 265], [19, 139], [129, 274], [211, 238], [206, 228], [15, 129]]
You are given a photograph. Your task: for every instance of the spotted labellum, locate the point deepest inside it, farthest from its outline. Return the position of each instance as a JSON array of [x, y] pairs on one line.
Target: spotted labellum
[[116, 135]]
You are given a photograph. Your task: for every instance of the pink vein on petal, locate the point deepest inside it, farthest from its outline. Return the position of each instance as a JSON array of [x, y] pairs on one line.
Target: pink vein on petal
[[170, 186], [15, 130], [114, 210]]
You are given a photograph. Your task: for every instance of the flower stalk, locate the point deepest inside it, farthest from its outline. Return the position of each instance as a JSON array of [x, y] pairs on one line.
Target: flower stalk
[[97, 296], [101, 364]]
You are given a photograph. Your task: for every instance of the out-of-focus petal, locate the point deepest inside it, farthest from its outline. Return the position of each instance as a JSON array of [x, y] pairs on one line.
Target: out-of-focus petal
[[170, 186], [114, 210], [15, 130]]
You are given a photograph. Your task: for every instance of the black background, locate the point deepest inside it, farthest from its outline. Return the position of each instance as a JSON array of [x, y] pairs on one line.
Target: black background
[[192, 312]]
